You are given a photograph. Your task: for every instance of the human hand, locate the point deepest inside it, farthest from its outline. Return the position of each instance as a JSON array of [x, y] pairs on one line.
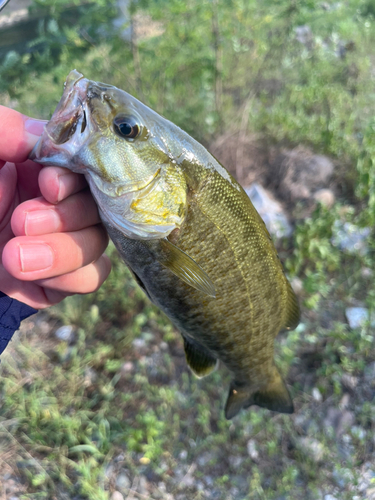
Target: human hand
[[51, 239]]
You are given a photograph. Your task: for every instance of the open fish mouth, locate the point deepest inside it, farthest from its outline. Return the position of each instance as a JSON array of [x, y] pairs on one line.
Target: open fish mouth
[[66, 130], [71, 112], [70, 124]]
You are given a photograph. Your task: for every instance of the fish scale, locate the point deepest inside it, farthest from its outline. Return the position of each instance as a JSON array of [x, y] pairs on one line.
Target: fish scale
[[187, 231]]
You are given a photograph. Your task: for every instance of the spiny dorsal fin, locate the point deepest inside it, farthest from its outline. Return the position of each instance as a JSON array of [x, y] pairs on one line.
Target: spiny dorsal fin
[[292, 309], [200, 361], [185, 268], [274, 396]]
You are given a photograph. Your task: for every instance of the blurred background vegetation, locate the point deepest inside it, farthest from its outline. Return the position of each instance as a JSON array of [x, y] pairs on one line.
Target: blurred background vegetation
[[107, 407]]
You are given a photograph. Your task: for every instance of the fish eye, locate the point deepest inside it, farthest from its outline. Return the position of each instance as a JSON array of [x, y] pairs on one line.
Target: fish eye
[[126, 127]]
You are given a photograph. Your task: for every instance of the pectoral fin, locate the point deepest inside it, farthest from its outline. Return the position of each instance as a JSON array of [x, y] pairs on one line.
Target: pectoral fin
[[200, 361], [185, 268], [274, 396]]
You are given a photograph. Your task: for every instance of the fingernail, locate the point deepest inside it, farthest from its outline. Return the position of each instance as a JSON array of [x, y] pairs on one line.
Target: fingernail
[[35, 257], [35, 127], [41, 222]]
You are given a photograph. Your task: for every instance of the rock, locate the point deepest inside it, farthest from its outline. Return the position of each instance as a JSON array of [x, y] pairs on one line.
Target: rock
[[339, 420], [127, 367], [329, 497], [325, 196], [349, 381], [351, 238], [235, 461], [143, 486], [304, 36], [296, 174], [311, 447], [183, 455], [205, 458], [139, 343], [123, 482], [297, 285], [270, 210], [369, 372], [252, 450], [358, 316], [116, 495], [366, 272], [342, 477], [317, 395], [66, 334], [90, 377]]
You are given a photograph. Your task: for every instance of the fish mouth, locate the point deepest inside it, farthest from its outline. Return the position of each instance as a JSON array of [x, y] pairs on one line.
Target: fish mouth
[[72, 110], [69, 126]]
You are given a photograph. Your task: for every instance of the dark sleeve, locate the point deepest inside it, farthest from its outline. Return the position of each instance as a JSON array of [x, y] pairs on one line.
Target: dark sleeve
[[12, 312]]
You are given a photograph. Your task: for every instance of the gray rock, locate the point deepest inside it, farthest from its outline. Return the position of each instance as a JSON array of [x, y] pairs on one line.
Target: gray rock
[[116, 495], [235, 461], [304, 35], [342, 477], [358, 316], [123, 482], [205, 458], [297, 285], [338, 420], [317, 395], [127, 367], [252, 449], [351, 238], [325, 196], [139, 343], [369, 372], [366, 272], [349, 381], [270, 210], [311, 447], [66, 334], [297, 173]]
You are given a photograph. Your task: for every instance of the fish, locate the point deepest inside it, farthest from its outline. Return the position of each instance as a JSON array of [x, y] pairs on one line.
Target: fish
[[187, 231]]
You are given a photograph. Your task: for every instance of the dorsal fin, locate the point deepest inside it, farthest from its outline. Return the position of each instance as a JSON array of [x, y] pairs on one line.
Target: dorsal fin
[[201, 362]]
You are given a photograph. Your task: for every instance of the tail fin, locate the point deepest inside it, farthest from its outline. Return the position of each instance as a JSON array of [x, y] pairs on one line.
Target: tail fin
[[274, 396]]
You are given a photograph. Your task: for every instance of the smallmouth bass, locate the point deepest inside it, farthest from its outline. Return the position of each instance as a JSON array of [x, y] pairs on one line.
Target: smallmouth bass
[[187, 231]]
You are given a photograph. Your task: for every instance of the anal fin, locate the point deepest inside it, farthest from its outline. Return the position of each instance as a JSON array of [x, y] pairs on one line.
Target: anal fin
[[200, 361], [274, 396]]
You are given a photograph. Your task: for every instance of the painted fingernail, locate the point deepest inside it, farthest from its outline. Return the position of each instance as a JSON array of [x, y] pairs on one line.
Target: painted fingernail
[[37, 257], [34, 127], [41, 222]]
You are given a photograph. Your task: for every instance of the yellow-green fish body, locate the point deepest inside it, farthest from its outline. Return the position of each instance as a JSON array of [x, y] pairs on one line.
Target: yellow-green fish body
[[186, 229]]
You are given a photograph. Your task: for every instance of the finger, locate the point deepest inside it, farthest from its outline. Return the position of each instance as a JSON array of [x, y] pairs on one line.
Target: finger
[[30, 258], [18, 136], [36, 217], [29, 292], [8, 198], [87, 279], [27, 179], [58, 183]]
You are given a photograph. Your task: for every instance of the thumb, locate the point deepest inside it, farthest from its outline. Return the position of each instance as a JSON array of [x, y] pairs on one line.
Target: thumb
[[18, 135]]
